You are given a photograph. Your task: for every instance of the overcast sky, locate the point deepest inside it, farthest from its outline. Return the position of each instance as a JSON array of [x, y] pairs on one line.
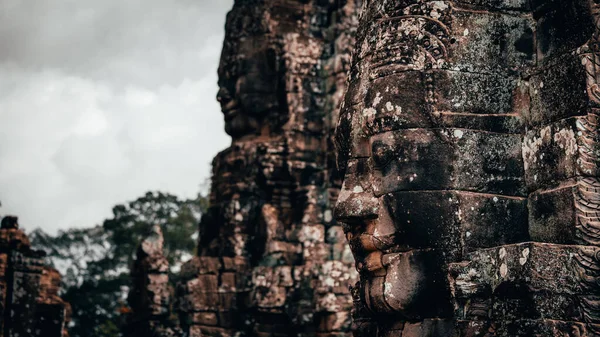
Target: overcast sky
[[101, 101]]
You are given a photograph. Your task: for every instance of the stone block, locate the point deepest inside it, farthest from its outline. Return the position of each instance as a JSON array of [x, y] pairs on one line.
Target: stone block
[[524, 281], [205, 318], [552, 215], [551, 154], [557, 91], [443, 159], [227, 282], [455, 221]]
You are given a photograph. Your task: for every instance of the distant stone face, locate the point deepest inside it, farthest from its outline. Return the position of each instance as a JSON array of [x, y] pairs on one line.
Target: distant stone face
[[272, 261], [29, 301], [469, 140], [251, 83]]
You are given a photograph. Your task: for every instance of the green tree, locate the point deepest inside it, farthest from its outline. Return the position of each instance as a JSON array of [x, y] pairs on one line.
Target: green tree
[[95, 261]]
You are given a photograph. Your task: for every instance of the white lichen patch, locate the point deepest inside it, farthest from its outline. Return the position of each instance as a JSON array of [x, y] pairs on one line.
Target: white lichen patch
[[565, 139], [239, 244], [357, 189], [525, 256], [503, 270], [369, 112], [531, 146], [437, 9], [389, 106], [502, 253], [328, 216], [344, 194], [458, 134], [315, 233], [377, 99]]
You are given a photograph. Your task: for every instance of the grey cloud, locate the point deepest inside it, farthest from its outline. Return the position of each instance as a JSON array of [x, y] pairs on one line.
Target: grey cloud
[[101, 39], [103, 100]]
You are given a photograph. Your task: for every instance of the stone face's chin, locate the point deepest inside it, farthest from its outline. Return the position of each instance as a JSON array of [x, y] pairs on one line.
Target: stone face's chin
[[247, 114], [413, 280], [238, 124]]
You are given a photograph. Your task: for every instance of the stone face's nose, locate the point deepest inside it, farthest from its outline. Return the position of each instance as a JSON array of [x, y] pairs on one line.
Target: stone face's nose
[[223, 96], [356, 201]]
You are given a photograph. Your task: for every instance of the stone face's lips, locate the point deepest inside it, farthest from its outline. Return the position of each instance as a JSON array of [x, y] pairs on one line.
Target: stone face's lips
[[230, 110], [230, 114]]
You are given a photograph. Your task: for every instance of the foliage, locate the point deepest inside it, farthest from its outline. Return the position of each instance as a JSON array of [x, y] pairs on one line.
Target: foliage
[[95, 261]]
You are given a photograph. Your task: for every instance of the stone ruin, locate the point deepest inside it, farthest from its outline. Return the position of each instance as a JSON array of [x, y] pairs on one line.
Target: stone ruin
[[469, 137], [271, 259], [468, 143], [29, 301], [468, 146]]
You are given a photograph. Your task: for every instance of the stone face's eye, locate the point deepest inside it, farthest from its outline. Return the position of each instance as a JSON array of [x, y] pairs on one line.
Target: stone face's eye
[[382, 154]]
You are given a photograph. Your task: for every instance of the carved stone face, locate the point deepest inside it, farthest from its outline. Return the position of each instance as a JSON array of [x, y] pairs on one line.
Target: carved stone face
[[250, 86], [434, 168], [400, 237]]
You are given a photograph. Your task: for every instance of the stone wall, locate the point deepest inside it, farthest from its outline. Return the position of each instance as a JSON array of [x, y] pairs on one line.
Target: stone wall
[[272, 261], [469, 139], [29, 301]]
